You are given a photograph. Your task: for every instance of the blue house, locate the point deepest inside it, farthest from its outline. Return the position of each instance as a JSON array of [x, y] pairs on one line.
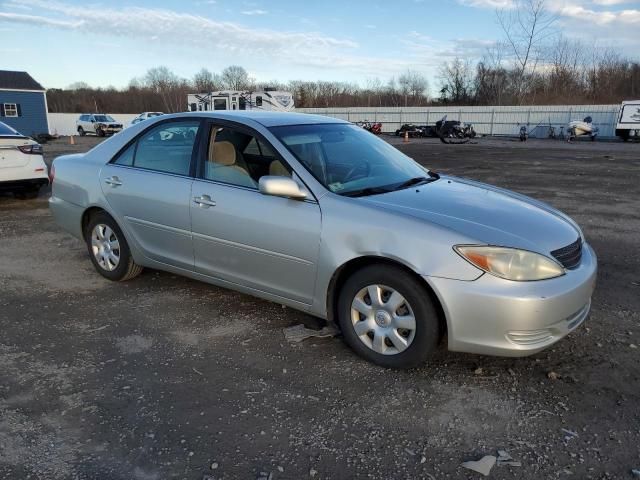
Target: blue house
[[23, 103]]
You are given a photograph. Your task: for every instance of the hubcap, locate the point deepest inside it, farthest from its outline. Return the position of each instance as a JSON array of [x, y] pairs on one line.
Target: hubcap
[[383, 319], [105, 247]]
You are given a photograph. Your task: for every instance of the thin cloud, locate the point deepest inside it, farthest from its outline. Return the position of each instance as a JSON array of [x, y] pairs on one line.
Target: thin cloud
[[173, 26], [36, 20], [254, 12], [578, 12], [488, 3], [612, 2]]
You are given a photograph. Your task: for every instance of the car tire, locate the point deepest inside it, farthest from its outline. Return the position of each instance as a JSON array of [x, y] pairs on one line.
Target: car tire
[[100, 132], [81, 131], [103, 229], [416, 345]]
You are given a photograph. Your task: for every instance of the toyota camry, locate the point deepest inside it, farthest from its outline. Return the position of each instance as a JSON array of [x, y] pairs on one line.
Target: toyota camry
[[320, 215]]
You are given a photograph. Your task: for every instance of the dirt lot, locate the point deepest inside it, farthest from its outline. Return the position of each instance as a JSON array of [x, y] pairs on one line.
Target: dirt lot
[[164, 377]]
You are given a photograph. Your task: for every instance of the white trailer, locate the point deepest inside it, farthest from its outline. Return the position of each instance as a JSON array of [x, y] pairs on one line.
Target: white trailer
[[267, 99], [628, 125]]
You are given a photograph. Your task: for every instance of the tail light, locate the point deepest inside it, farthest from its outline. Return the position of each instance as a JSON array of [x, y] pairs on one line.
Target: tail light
[[31, 149], [52, 173]]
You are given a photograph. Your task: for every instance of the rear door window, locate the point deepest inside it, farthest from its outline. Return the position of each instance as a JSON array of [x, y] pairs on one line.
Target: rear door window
[[166, 148]]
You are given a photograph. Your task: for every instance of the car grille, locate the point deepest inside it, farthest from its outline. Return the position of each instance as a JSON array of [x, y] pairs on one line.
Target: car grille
[[570, 255]]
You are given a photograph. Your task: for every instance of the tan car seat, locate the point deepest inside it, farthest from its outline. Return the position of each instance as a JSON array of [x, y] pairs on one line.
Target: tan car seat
[[277, 168], [227, 165]]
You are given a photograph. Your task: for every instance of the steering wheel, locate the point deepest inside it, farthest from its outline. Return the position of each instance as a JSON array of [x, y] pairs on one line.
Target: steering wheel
[[351, 173]]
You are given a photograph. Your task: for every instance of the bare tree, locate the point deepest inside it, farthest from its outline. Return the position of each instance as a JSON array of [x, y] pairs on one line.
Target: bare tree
[[413, 84], [526, 26], [171, 89], [79, 86], [235, 77], [456, 80], [204, 81]]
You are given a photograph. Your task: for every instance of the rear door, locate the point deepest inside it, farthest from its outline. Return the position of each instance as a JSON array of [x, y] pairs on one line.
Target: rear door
[[148, 186]]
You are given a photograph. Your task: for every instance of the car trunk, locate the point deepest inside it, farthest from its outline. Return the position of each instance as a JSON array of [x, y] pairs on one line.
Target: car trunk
[[10, 156]]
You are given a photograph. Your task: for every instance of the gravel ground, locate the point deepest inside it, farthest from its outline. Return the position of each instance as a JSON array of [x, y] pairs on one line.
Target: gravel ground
[[164, 377]]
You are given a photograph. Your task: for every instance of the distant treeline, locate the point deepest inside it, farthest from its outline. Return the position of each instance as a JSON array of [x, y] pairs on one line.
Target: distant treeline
[[606, 79]]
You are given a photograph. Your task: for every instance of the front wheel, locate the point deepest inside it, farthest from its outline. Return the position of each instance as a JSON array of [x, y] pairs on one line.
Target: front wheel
[[388, 317], [100, 132], [108, 249]]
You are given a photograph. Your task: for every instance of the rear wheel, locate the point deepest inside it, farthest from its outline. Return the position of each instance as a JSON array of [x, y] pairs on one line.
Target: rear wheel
[[81, 131], [387, 316], [108, 249]]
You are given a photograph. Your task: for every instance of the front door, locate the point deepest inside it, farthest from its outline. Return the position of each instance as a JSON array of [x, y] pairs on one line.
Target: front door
[[148, 186], [242, 236]]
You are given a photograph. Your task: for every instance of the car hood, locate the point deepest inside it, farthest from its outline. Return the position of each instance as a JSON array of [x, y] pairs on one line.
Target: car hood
[[491, 215]]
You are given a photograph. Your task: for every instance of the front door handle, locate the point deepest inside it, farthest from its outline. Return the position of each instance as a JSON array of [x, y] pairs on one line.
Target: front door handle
[[113, 181], [204, 201]]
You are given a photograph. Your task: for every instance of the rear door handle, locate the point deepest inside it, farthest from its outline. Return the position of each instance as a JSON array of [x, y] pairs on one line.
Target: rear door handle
[[113, 181], [204, 201]]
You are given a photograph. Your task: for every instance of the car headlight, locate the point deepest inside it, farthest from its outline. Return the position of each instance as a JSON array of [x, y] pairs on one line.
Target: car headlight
[[510, 263]]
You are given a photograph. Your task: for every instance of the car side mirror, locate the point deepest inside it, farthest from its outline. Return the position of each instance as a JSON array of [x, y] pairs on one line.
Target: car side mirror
[[93, 121], [281, 187]]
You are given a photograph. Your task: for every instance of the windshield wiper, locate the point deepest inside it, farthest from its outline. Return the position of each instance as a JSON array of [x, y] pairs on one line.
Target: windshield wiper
[[391, 188], [363, 192], [415, 181]]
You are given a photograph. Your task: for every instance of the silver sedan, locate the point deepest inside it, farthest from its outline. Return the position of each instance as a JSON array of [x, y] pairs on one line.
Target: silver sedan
[[320, 215]]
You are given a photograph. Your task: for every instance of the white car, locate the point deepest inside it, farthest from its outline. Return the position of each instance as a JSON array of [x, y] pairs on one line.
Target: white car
[[97, 123], [22, 167], [145, 116]]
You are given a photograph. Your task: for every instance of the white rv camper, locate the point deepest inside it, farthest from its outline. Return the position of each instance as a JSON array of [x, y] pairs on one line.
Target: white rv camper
[[628, 125], [236, 100]]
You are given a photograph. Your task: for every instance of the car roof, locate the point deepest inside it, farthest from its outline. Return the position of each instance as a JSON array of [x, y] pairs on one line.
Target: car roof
[[266, 118]]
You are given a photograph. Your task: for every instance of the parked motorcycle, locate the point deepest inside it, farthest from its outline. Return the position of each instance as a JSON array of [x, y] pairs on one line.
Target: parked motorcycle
[[411, 130], [454, 129], [524, 134], [375, 128]]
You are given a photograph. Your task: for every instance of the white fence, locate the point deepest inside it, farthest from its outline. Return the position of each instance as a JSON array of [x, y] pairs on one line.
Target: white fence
[[65, 123], [486, 120]]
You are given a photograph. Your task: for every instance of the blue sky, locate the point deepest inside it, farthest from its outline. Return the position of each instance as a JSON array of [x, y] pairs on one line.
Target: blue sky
[[108, 43]]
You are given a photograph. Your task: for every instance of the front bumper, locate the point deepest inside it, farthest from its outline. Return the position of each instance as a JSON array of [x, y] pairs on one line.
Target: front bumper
[[492, 316]]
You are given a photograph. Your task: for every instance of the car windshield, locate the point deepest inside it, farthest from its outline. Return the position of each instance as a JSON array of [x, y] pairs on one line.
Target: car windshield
[[350, 161], [7, 130], [103, 118]]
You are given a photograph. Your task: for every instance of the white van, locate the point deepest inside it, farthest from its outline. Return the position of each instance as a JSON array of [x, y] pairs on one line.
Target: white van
[[629, 120], [266, 99]]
